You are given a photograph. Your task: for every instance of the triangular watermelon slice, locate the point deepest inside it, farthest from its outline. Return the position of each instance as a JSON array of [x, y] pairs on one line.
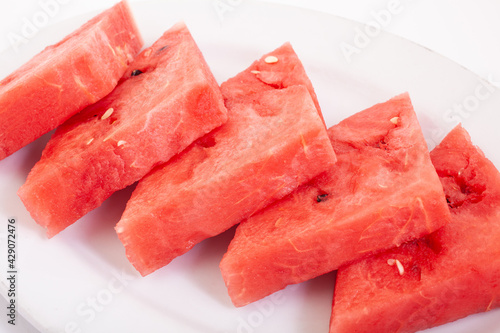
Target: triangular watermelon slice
[[442, 277], [166, 99], [66, 77], [273, 141], [382, 192]]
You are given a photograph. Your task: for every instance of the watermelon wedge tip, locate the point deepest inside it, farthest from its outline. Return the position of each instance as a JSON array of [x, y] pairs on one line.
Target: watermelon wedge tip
[[66, 77], [382, 191], [166, 99], [444, 276], [273, 141]]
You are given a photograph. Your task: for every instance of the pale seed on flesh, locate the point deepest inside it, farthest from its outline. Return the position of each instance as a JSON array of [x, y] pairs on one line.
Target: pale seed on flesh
[[398, 263], [395, 120], [107, 114], [271, 60]]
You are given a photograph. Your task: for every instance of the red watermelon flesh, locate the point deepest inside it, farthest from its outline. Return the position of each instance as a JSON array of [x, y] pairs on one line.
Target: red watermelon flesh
[[444, 276], [268, 74], [167, 99], [273, 141], [382, 192], [66, 77]]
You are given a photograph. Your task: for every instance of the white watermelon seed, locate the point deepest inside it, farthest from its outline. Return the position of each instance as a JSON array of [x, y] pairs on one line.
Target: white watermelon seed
[[255, 72], [398, 263], [395, 120], [271, 60], [90, 141], [401, 269], [107, 114], [121, 143]]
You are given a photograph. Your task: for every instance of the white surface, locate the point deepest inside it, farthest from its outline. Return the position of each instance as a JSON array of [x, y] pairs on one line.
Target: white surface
[[82, 275], [462, 30]]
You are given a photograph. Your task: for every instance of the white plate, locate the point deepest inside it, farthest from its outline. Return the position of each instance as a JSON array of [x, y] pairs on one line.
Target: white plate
[[81, 281]]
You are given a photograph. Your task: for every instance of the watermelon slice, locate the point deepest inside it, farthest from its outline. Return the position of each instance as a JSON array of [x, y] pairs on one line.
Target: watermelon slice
[[273, 141], [66, 77], [167, 99], [382, 192], [442, 277]]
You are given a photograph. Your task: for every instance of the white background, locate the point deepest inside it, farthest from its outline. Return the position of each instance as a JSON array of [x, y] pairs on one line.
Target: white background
[[466, 32]]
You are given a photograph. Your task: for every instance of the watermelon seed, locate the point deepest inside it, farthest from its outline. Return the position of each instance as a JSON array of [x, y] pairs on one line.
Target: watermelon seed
[[107, 114], [121, 143], [161, 49], [90, 141], [322, 197], [271, 60], [398, 263], [401, 269], [394, 120], [255, 72], [136, 72]]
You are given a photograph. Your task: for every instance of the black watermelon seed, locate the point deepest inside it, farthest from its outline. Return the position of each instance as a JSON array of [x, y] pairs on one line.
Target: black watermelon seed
[[136, 72], [321, 197], [161, 49]]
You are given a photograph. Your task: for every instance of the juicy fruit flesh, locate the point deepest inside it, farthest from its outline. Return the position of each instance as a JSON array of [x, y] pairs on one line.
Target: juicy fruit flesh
[[246, 173], [273, 141], [145, 121], [382, 191], [446, 275], [265, 76], [62, 80]]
